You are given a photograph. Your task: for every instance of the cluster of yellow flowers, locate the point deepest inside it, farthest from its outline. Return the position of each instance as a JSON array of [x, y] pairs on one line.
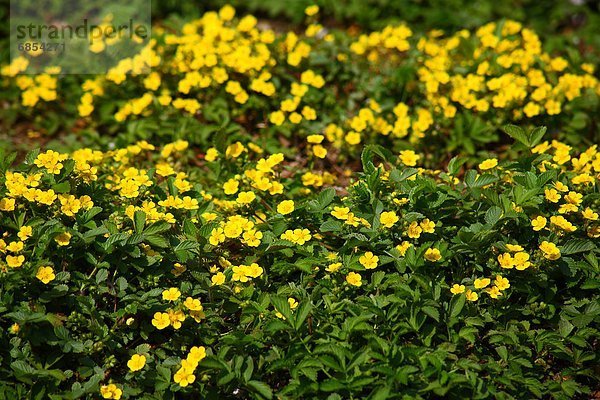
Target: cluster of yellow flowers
[[291, 104], [563, 205], [564, 198], [506, 69], [111, 391], [500, 284], [185, 375], [176, 316], [388, 220], [297, 236]]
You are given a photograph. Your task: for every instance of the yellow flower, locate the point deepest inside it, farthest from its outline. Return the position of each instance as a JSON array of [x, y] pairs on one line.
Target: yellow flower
[[538, 223], [136, 362], [562, 223], [457, 289], [246, 197], [552, 195], [311, 10], [252, 238], [171, 294], [285, 207], [506, 261], [293, 303], [7, 204], [353, 138], [588, 213], [211, 154], [414, 230], [481, 283], [277, 118], [354, 279], [15, 261], [227, 12], [433, 255], [315, 139], [471, 296], [178, 269], [514, 247], [550, 250], [501, 283], [340, 212], [574, 198], [561, 187], [184, 377], [196, 354], [488, 164], [218, 278], [63, 239], [319, 151], [193, 304], [111, 391], [427, 226], [388, 218], [15, 247], [176, 318], [45, 274], [494, 292], [217, 236], [403, 247], [231, 186], [521, 261], [334, 267], [409, 158], [368, 260], [161, 320], [14, 328], [25, 232]]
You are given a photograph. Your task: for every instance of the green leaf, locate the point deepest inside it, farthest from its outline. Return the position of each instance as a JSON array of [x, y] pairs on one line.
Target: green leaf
[[302, 313], [577, 246], [261, 388], [492, 215], [565, 327], [432, 312], [536, 135], [157, 241], [516, 133], [380, 394], [139, 219], [484, 180], [455, 164], [31, 156], [281, 304], [101, 275], [456, 305], [502, 352], [331, 225], [157, 227], [63, 187], [326, 197]]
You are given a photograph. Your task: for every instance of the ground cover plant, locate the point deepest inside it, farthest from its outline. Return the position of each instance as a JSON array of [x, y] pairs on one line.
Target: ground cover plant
[[305, 211]]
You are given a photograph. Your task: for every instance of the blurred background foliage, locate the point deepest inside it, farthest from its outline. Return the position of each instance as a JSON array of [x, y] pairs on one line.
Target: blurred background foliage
[[573, 20], [556, 21]]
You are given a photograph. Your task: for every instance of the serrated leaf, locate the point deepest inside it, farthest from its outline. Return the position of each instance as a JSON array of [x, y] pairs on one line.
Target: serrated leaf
[[493, 214], [331, 225], [261, 388], [139, 219], [516, 133], [577, 246], [302, 313]]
